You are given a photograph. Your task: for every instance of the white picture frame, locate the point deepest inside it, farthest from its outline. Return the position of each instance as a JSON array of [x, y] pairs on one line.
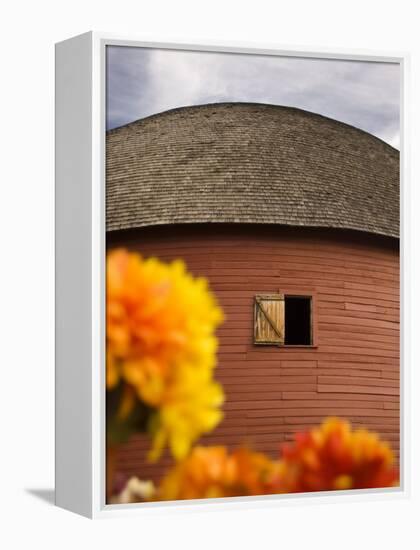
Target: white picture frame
[[80, 278]]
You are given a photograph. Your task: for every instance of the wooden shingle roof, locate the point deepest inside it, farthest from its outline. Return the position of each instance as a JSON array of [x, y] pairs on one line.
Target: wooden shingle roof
[[250, 163]]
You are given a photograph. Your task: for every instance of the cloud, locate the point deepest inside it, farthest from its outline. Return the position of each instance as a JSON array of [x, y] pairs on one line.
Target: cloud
[[144, 81]]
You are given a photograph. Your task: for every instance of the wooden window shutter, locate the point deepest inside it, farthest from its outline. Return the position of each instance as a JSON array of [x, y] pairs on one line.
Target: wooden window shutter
[[269, 319]]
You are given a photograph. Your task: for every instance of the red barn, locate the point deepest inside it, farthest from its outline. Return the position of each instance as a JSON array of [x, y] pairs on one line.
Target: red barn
[[294, 220]]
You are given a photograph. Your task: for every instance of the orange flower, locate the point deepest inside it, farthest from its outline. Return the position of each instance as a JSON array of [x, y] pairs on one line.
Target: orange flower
[[213, 472], [333, 456], [161, 344]]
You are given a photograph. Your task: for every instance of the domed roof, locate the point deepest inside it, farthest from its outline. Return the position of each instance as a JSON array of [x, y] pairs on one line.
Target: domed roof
[[250, 163]]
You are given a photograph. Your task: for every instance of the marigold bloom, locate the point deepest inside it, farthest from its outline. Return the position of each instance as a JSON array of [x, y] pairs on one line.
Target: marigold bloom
[[160, 341], [333, 456], [213, 472]]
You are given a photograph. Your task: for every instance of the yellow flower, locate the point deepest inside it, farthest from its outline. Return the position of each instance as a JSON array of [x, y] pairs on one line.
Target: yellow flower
[[160, 341], [329, 457], [191, 407], [214, 472]]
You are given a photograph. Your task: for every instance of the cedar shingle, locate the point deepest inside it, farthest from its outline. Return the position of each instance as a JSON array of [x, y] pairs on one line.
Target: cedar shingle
[[250, 163]]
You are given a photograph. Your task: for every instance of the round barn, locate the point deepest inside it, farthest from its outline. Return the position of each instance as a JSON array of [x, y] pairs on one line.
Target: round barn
[[294, 220]]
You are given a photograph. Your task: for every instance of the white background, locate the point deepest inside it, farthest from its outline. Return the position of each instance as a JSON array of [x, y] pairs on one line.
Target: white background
[[29, 31]]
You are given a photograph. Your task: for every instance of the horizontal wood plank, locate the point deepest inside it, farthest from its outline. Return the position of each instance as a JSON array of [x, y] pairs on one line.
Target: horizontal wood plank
[[272, 392]]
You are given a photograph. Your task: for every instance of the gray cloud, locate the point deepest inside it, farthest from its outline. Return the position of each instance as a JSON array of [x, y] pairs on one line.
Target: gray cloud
[[142, 81]]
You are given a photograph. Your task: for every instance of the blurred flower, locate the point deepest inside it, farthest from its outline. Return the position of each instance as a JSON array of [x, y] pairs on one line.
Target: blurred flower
[[189, 408], [213, 472], [161, 343], [333, 456], [135, 490]]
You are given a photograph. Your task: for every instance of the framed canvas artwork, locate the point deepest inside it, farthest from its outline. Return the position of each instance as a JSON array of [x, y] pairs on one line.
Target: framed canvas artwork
[[228, 275]]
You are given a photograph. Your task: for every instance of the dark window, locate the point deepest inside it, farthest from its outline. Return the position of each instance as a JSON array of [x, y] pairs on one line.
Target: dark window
[[283, 320], [297, 316]]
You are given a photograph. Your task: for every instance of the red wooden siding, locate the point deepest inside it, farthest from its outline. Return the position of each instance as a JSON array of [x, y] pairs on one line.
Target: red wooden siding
[[352, 371]]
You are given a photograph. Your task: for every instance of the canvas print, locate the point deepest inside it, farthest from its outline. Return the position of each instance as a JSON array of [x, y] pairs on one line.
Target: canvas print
[[252, 275]]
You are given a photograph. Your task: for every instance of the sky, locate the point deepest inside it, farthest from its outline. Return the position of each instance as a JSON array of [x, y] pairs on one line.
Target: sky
[[145, 81]]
